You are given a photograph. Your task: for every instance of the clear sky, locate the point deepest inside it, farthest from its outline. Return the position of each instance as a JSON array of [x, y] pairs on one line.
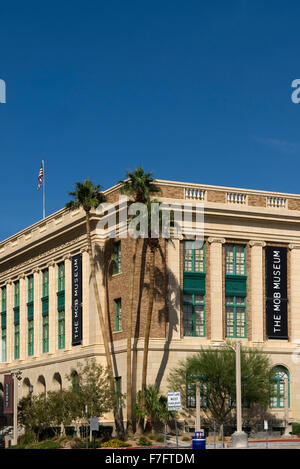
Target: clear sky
[[196, 91]]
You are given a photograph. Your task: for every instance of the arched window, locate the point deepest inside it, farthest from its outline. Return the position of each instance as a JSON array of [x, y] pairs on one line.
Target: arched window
[[278, 383]]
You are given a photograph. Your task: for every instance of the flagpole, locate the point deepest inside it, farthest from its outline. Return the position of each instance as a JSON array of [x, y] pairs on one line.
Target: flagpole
[[43, 164]]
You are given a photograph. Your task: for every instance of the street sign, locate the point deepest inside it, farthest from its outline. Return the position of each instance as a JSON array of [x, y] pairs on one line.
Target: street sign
[[174, 401], [265, 424], [94, 424]]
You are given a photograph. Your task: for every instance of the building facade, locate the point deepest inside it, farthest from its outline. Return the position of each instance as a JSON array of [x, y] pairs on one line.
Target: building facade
[[243, 284]]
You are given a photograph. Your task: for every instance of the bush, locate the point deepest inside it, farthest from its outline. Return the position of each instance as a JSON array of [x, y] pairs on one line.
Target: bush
[[46, 445], [159, 437], [296, 428], [83, 444], [16, 447], [115, 444], [143, 441], [28, 438]]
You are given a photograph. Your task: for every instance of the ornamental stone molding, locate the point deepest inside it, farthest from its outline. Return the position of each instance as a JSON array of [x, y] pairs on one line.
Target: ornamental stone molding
[[294, 246], [257, 242], [216, 240], [41, 256]]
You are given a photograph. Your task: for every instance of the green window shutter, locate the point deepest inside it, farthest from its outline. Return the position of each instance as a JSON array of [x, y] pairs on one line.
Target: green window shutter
[[235, 285], [3, 320], [194, 282], [61, 301], [30, 311], [45, 306], [17, 315]]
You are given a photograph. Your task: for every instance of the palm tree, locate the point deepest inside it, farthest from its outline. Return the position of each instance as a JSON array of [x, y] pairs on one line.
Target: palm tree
[[88, 197], [138, 186], [153, 244]]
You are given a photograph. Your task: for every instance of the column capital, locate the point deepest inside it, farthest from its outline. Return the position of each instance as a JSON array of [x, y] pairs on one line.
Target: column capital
[[51, 264], [37, 270], [216, 240], [257, 242], [294, 246], [67, 257]]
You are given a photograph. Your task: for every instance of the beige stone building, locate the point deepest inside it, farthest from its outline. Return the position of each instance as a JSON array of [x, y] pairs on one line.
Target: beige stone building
[[202, 295]]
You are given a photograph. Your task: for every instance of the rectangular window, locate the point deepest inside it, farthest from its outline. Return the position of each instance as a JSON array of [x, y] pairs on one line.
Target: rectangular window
[[17, 294], [118, 257], [3, 299], [45, 283], [30, 337], [235, 307], [118, 314], [30, 289], [61, 330], [45, 338], [191, 395], [61, 276], [3, 345], [194, 315], [17, 342], [235, 259], [194, 257]]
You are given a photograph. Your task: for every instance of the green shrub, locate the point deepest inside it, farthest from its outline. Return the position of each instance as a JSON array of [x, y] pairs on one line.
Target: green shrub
[[82, 444], [296, 428], [48, 444], [143, 441], [27, 439], [115, 444], [159, 437]]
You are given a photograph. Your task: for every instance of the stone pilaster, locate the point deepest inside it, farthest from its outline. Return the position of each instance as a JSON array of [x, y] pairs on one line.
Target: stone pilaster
[[216, 288], [257, 291]]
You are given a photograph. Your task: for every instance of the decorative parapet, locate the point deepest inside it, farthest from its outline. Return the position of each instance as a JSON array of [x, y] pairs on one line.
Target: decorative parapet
[[276, 202], [236, 198], [194, 194]]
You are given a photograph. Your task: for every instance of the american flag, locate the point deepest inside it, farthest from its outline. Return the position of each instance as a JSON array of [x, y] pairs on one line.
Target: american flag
[[40, 177]]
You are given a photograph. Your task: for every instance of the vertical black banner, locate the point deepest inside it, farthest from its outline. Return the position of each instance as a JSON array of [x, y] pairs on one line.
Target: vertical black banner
[[8, 404], [77, 299], [276, 292]]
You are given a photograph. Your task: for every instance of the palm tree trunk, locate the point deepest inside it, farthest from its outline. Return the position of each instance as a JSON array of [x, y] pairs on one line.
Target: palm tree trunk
[[104, 330], [148, 325], [129, 337]]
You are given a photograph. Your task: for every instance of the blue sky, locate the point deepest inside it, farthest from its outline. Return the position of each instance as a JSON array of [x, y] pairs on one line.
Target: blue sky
[[195, 91]]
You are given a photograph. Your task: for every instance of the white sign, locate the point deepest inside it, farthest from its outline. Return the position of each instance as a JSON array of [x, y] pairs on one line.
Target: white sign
[[174, 401], [265, 424]]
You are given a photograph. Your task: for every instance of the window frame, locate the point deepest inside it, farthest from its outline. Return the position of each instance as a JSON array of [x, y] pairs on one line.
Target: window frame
[[193, 257], [194, 304], [235, 305], [234, 263], [118, 314]]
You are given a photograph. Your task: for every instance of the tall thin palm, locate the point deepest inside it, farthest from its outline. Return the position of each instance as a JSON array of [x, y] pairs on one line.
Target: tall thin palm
[[138, 186], [88, 196]]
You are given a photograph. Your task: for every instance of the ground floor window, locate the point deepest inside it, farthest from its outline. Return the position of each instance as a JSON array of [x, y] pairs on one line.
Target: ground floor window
[[194, 315], [235, 307], [278, 383]]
